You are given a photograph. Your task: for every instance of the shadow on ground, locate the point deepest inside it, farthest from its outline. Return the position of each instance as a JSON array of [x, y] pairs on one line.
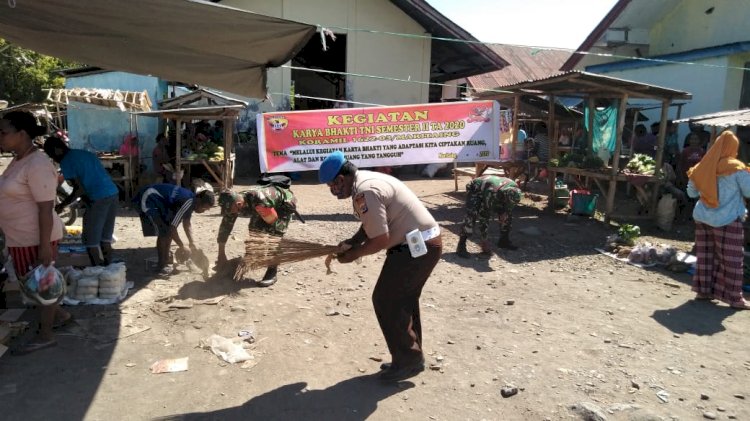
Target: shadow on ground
[[353, 399], [702, 318]]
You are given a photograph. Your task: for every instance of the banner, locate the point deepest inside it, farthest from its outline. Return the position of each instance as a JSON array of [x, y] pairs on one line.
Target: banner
[[380, 136]]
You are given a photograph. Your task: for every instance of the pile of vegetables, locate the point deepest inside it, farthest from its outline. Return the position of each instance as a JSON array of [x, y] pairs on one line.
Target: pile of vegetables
[[628, 233], [622, 243], [209, 151], [641, 164], [572, 160], [592, 163]]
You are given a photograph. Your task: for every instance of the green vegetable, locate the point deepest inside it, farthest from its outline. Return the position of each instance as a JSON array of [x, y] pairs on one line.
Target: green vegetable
[[592, 162], [628, 233], [641, 164], [554, 162]]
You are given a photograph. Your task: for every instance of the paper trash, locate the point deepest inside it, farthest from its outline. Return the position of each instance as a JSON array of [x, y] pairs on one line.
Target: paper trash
[[172, 365]]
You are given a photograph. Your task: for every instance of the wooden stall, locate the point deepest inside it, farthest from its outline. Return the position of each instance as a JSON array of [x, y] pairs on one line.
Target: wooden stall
[[198, 105], [592, 88]]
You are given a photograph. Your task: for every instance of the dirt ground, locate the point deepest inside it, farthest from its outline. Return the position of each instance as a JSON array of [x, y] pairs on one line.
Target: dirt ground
[[580, 335]]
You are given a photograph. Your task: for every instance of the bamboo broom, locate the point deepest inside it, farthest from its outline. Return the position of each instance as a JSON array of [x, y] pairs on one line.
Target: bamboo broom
[[263, 249]]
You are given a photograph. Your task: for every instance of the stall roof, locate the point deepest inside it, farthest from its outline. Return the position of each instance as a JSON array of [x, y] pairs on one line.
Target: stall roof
[[215, 112], [188, 40], [577, 83], [203, 96], [720, 119]]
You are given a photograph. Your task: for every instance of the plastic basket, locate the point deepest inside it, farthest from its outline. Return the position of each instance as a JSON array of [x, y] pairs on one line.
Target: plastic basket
[[583, 203]]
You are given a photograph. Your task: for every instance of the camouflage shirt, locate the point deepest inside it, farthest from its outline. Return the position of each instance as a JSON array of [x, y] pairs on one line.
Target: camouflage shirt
[[489, 196], [281, 199]]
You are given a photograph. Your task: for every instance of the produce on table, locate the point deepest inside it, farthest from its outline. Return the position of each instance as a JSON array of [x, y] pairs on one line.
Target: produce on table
[[641, 164]]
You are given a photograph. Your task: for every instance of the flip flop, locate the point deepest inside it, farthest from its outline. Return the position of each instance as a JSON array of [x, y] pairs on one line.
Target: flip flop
[[33, 346], [745, 306], [63, 323]]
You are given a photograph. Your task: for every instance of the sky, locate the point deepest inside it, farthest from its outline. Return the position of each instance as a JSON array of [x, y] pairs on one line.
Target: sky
[[541, 23]]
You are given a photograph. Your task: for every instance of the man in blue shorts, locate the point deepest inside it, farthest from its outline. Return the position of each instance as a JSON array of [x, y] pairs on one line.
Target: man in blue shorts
[[83, 170], [162, 207]]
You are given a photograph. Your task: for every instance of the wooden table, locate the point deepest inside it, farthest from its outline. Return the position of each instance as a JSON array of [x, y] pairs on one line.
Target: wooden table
[[509, 169], [129, 177], [607, 183], [215, 168]]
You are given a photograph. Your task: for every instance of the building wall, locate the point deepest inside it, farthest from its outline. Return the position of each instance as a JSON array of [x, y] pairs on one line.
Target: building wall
[[689, 27], [708, 94], [367, 53], [102, 129]]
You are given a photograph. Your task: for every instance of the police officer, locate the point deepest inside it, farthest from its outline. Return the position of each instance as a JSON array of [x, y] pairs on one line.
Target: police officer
[[489, 195], [269, 206], [388, 211]]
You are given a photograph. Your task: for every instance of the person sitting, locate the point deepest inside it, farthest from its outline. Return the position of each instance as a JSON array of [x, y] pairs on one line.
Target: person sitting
[[644, 142], [691, 155], [162, 207], [161, 160], [83, 170], [129, 146]]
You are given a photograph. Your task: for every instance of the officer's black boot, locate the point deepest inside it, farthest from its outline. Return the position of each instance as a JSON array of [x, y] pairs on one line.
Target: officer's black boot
[[504, 242], [461, 249]]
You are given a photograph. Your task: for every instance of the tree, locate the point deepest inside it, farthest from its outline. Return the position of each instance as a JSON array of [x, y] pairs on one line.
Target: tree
[[24, 74]]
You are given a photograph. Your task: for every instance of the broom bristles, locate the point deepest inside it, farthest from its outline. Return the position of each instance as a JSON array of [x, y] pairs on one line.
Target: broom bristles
[[263, 249]]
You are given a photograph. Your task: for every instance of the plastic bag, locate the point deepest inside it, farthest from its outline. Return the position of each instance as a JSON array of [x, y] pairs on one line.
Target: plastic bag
[[228, 350], [44, 285]]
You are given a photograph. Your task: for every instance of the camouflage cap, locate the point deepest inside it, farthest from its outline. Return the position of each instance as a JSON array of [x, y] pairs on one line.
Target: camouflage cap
[[227, 199]]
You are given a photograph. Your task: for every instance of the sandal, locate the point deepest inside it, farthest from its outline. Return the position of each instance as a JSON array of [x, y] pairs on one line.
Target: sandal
[[743, 306], [33, 346], [63, 323]]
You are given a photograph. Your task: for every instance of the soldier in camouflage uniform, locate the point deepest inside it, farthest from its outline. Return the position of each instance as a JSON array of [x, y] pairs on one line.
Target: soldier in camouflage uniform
[[278, 203], [486, 196]]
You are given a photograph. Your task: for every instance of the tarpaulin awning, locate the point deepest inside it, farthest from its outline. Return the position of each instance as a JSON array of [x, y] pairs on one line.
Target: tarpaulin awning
[[182, 40], [720, 119]]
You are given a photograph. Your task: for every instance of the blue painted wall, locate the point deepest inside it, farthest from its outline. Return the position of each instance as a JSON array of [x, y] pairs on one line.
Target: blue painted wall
[[103, 129]]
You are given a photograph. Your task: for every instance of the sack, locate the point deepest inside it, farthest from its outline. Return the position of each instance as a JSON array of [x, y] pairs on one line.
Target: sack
[[665, 212], [275, 180]]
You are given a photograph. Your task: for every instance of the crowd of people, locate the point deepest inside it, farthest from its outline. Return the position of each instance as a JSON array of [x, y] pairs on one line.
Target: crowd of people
[[392, 219]]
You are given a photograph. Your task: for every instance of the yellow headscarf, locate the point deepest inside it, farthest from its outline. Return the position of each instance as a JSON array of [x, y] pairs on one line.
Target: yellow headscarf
[[719, 161]]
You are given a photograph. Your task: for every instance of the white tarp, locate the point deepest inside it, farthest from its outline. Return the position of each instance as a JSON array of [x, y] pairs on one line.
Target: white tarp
[[181, 40]]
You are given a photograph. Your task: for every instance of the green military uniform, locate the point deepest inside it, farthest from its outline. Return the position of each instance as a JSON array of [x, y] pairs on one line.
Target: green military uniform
[[269, 196], [490, 195]]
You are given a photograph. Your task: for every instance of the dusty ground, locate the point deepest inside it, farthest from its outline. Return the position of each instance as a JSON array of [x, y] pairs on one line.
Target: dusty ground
[[560, 322]]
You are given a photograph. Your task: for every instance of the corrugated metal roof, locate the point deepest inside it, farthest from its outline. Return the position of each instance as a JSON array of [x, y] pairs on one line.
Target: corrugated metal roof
[[720, 119], [525, 63], [577, 83]]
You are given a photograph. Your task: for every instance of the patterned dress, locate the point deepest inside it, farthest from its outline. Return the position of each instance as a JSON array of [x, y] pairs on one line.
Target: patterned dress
[[278, 198], [490, 195]]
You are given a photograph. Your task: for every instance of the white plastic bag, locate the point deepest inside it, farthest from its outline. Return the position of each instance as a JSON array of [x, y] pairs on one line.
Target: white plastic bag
[[227, 349]]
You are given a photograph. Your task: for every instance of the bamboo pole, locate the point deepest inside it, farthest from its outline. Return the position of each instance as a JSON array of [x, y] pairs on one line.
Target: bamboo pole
[[590, 134], [178, 152], [228, 132], [514, 139], [612, 191], [659, 152], [550, 129]]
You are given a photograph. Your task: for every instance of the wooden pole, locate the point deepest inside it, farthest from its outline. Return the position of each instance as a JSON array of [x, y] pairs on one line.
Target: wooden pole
[[612, 191], [659, 152], [514, 139], [636, 111], [228, 132], [550, 128], [590, 134], [178, 152]]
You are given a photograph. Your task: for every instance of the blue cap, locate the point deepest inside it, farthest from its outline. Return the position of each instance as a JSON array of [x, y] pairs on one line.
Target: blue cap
[[330, 166]]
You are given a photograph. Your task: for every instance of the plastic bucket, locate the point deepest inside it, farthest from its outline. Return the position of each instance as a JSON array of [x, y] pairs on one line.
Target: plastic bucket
[[583, 203]]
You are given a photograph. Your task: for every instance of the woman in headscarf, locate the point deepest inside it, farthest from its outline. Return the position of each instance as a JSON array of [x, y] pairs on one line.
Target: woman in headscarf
[[31, 226], [721, 182]]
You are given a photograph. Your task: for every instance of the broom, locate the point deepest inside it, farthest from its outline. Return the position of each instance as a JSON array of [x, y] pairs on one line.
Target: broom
[[263, 250]]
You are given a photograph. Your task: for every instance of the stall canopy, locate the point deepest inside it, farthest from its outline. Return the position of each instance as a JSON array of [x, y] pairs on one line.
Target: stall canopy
[[186, 40], [720, 119]]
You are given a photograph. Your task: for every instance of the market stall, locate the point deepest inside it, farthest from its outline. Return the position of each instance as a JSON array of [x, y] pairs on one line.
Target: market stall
[[201, 105], [597, 91]]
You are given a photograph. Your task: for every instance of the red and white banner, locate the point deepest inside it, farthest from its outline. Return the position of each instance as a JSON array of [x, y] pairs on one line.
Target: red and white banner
[[382, 136]]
